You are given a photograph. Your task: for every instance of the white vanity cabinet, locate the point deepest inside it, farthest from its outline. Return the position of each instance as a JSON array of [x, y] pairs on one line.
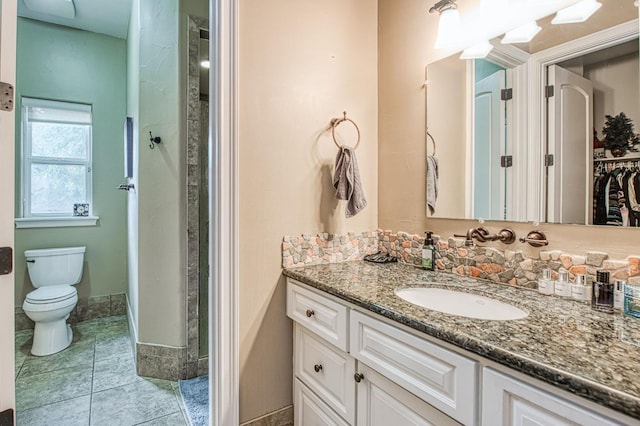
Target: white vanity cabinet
[[507, 401], [335, 387], [353, 368]]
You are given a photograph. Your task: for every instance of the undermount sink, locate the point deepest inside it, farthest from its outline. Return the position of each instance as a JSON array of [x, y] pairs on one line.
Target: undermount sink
[[461, 303]]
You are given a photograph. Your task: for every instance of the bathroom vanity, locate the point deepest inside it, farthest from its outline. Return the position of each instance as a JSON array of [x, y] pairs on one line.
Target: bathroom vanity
[[364, 356]]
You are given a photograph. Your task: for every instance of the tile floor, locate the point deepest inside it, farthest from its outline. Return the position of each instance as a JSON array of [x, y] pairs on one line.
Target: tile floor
[[92, 382]]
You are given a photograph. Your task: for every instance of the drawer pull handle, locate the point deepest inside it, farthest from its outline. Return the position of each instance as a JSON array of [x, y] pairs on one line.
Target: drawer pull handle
[[309, 313], [358, 377], [318, 368]]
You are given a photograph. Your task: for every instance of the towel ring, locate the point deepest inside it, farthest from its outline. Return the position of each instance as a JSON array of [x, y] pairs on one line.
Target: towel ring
[[432, 141], [335, 122]]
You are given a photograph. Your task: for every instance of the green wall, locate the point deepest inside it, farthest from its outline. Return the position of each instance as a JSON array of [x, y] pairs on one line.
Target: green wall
[[64, 64], [484, 69]]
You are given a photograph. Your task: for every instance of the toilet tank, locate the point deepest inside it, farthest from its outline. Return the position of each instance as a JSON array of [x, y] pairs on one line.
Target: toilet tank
[[55, 266]]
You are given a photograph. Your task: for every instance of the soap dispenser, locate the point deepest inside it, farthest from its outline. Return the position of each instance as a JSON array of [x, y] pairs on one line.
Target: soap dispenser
[[562, 286], [428, 252]]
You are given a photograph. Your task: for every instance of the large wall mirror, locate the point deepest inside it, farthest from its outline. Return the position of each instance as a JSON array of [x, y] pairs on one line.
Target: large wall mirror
[[519, 135]]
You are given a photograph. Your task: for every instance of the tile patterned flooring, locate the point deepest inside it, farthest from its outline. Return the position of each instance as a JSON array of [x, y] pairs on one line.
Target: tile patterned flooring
[[92, 382]]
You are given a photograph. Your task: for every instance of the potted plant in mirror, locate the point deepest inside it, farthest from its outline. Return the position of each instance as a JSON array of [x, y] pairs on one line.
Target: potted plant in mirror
[[618, 134]]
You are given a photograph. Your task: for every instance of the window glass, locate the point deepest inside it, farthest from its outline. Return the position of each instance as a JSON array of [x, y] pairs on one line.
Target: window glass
[[56, 157], [55, 188], [59, 140]]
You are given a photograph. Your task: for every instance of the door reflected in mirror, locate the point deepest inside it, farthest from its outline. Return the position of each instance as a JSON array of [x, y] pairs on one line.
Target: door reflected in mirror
[[536, 152]]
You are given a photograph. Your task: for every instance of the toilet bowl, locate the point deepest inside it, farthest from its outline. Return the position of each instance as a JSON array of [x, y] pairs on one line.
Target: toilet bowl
[[53, 272]]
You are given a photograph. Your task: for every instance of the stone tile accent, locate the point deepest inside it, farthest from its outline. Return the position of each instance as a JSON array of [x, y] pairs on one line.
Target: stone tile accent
[[203, 366], [313, 249], [22, 320], [118, 304], [508, 266], [87, 309], [161, 362], [196, 158], [282, 417]]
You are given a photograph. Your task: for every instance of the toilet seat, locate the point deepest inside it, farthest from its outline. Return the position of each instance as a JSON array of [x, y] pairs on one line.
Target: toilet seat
[[51, 294], [50, 298]]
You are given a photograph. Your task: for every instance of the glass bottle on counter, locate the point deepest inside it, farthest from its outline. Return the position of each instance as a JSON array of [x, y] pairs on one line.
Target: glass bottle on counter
[[562, 285], [581, 290], [602, 296], [546, 284]]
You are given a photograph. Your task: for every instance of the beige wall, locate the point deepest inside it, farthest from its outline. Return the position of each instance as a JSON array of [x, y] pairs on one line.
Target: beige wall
[[402, 206], [615, 89], [301, 63]]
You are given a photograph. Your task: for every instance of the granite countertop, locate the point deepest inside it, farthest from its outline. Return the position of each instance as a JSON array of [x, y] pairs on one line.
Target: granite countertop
[[562, 342]]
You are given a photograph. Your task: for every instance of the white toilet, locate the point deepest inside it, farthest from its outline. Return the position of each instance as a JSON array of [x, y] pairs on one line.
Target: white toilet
[[53, 273]]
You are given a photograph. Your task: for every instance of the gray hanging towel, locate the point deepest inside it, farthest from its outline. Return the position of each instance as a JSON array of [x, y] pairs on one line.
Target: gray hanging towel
[[432, 183], [346, 181]]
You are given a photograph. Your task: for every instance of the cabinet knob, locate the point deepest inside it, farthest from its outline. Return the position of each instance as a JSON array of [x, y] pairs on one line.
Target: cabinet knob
[[310, 313], [358, 377], [318, 368]]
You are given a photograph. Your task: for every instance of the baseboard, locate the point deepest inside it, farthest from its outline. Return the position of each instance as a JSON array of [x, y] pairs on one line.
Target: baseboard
[[161, 362], [282, 417], [87, 309]]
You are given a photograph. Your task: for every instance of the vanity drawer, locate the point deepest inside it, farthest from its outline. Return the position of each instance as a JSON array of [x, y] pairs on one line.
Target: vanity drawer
[[327, 371], [318, 313], [311, 410], [440, 377]]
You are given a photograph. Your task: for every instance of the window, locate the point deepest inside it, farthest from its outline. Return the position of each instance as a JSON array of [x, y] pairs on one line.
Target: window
[[56, 158]]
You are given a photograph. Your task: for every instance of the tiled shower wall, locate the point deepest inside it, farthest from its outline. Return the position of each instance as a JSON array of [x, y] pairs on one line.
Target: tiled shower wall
[[509, 266]]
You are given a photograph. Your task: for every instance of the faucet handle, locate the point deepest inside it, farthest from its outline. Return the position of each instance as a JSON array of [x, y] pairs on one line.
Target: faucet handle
[[507, 236], [535, 238]]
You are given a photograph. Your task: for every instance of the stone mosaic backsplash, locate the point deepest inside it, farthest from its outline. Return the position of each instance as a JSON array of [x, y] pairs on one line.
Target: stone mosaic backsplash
[[313, 249], [508, 266]]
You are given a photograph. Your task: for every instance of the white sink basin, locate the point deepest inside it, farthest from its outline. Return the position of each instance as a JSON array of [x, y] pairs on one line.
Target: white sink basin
[[461, 303]]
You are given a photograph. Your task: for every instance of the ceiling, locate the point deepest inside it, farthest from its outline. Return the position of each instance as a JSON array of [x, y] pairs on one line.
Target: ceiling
[[109, 17]]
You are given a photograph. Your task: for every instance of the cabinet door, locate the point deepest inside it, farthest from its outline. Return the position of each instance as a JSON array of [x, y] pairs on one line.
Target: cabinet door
[[510, 402], [309, 410], [327, 371], [381, 402], [439, 376]]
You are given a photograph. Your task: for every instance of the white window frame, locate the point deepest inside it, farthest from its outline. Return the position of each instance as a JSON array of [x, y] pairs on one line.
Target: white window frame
[[29, 219]]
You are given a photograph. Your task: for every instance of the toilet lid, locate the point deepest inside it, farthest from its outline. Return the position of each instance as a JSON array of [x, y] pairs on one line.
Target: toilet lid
[[51, 294]]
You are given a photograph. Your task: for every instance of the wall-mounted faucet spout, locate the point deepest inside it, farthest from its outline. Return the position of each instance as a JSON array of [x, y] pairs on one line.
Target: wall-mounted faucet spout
[[479, 234], [506, 235]]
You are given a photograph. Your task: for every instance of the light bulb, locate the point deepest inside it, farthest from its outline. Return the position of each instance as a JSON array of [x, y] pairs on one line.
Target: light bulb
[[448, 29]]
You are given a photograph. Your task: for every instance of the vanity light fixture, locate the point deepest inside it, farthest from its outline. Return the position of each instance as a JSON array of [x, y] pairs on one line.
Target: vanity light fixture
[[448, 25], [579, 12], [60, 8], [205, 64], [523, 34], [478, 51]]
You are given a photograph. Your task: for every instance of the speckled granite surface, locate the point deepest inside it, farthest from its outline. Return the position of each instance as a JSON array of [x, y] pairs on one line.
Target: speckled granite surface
[[562, 342]]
